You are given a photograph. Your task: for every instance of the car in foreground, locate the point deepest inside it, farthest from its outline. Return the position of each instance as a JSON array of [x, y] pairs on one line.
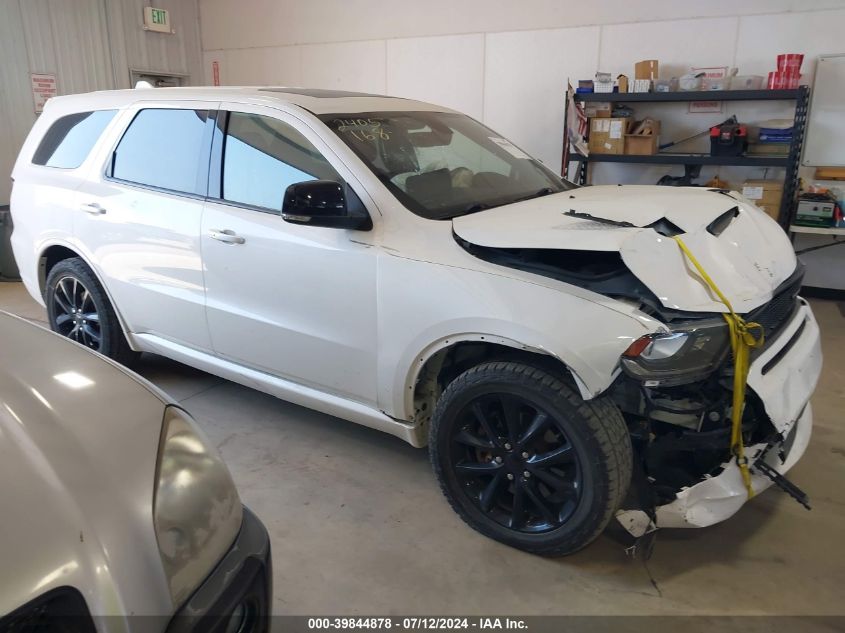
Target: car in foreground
[[115, 504], [403, 266]]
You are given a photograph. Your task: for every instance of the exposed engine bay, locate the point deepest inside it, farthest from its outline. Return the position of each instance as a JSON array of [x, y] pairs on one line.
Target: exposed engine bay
[[677, 400]]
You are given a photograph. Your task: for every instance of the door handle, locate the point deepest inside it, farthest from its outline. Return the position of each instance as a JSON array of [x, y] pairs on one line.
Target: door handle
[[226, 236], [93, 208]]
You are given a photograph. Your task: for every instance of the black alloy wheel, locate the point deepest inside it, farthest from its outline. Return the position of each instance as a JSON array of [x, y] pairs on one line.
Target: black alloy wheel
[[524, 459], [78, 308], [75, 313], [516, 463]]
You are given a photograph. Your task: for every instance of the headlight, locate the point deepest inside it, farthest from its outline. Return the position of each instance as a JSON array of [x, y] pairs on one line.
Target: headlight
[[681, 356], [196, 509]]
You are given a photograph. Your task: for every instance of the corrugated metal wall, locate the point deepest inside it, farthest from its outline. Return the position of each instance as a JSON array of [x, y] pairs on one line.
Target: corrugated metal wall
[[89, 45]]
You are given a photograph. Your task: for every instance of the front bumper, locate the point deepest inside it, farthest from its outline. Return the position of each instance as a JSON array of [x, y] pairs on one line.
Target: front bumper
[[243, 578], [783, 375]]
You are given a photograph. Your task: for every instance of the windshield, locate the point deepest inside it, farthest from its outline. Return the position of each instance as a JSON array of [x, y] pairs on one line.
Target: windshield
[[441, 165]]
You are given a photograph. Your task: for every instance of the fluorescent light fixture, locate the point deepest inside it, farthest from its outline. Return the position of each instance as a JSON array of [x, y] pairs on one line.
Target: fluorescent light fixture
[[74, 380]]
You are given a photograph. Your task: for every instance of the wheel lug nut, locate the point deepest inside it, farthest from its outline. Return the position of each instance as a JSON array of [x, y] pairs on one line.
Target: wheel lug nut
[[524, 454], [510, 476], [498, 460], [507, 446], [526, 474]]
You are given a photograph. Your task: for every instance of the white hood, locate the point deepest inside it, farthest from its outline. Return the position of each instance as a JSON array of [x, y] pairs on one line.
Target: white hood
[[748, 260]]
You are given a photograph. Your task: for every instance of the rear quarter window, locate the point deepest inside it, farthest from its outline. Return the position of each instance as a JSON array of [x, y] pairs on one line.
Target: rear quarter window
[[70, 139]]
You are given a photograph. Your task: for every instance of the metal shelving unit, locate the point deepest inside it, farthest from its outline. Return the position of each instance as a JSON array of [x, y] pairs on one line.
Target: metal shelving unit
[[817, 230], [801, 97], [673, 158]]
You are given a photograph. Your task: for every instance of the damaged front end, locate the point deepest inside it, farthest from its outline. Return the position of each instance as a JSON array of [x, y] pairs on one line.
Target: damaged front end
[[675, 387]]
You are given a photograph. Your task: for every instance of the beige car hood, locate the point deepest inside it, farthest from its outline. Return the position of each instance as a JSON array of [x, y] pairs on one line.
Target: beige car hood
[[78, 448], [748, 259]]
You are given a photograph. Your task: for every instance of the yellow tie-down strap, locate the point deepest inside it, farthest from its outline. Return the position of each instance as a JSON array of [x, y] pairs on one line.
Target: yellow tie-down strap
[[745, 336]]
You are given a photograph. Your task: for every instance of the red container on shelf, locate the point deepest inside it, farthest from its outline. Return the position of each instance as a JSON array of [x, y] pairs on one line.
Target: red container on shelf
[[783, 80], [791, 80], [790, 62]]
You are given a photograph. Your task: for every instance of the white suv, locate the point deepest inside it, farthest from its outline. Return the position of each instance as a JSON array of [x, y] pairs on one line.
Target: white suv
[[402, 266]]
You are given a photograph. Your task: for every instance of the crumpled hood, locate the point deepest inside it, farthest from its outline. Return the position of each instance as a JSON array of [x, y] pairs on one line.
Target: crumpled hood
[[748, 259], [78, 450]]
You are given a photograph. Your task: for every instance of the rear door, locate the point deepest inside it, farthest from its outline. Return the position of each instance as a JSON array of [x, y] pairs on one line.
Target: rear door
[[139, 219], [294, 301]]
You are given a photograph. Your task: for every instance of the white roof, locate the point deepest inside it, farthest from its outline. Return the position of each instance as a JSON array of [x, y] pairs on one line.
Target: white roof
[[314, 100]]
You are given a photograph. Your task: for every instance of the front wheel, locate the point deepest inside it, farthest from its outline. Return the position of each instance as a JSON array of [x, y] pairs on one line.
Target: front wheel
[[523, 459], [78, 308]]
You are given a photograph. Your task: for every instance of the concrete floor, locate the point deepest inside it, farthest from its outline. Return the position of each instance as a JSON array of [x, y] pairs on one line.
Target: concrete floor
[[358, 525]]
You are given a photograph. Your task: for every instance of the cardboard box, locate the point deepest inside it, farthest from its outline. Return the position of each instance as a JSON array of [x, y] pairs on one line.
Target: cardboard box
[[607, 135], [622, 82], [766, 194], [643, 137], [646, 69], [598, 109]]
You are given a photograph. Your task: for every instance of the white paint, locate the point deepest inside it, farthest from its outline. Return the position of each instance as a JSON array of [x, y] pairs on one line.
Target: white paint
[[354, 346]]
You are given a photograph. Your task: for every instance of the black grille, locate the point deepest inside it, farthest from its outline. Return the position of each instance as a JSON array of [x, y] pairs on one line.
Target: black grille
[[775, 314], [61, 610]]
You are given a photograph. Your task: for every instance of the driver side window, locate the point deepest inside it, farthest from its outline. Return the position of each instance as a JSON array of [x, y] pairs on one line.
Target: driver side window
[[263, 156]]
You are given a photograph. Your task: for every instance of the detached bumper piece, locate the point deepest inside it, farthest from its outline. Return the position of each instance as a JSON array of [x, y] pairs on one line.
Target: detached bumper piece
[[783, 483], [238, 594]]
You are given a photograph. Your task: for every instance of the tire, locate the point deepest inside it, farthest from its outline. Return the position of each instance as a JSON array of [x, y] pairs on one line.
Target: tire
[[78, 308], [559, 498]]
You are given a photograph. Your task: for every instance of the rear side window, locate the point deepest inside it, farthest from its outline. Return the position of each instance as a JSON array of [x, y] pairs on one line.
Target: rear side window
[[69, 140], [166, 149], [263, 156]]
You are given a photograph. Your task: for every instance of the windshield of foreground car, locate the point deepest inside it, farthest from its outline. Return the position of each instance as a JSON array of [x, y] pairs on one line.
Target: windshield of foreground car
[[441, 165]]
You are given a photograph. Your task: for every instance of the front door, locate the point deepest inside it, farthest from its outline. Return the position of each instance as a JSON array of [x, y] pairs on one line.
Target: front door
[[294, 301]]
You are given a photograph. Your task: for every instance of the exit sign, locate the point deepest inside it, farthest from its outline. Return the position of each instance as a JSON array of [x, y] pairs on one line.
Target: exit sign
[[157, 20]]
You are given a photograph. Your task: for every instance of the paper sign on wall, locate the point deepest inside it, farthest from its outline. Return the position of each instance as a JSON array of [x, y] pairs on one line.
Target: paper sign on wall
[[43, 87]]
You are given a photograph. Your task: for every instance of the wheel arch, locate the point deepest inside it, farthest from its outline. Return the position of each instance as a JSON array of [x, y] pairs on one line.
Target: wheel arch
[[442, 361], [53, 254]]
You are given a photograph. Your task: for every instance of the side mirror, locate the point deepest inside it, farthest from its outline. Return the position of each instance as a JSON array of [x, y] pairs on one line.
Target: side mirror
[[325, 203]]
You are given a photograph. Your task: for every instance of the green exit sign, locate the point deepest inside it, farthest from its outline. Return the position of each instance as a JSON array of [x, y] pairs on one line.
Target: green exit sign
[[157, 20]]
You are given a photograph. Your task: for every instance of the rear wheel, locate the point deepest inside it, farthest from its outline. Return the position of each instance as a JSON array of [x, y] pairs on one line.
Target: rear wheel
[[524, 460], [78, 308]]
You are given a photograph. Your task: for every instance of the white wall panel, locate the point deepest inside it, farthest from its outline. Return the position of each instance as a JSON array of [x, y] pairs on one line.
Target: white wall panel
[[525, 84], [358, 66], [677, 45], [762, 38], [448, 71], [277, 66], [245, 23]]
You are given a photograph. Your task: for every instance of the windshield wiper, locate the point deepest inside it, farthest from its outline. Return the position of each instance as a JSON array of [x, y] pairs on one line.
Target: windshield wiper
[[475, 206], [545, 191]]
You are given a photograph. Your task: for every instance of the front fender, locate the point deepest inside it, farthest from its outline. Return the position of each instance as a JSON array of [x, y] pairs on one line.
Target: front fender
[[424, 307]]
